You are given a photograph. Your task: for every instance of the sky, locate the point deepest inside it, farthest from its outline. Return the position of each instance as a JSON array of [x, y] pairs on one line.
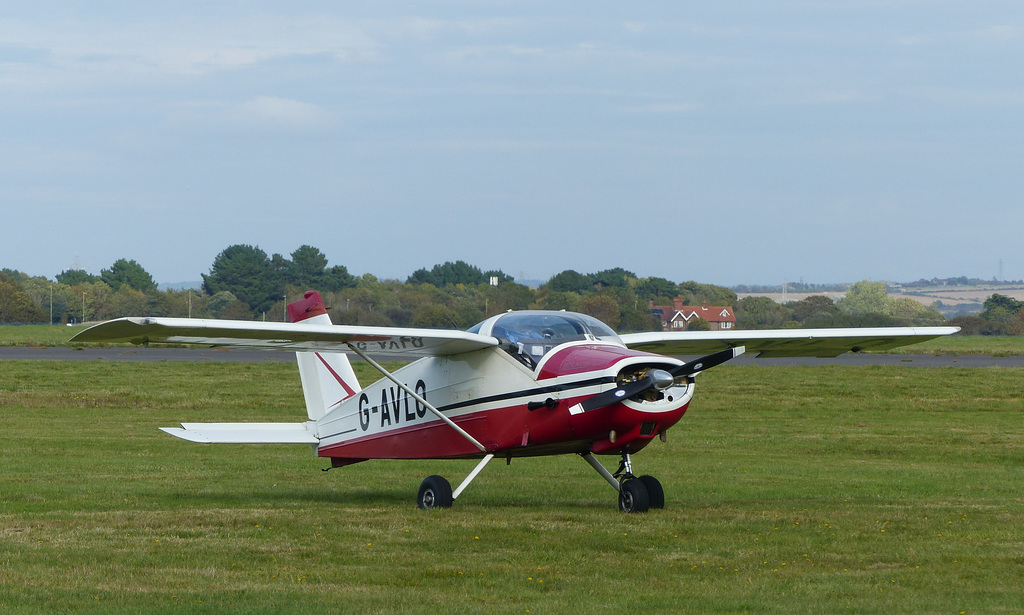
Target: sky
[[728, 142]]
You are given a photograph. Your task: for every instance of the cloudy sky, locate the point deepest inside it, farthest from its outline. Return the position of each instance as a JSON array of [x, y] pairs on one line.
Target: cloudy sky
[[728, 142]]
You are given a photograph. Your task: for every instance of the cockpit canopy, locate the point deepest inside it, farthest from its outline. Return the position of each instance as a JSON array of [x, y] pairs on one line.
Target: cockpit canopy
[[529, 335]]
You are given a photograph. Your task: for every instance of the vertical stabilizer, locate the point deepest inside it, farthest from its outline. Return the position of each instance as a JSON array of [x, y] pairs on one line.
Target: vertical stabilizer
[[327, 377]]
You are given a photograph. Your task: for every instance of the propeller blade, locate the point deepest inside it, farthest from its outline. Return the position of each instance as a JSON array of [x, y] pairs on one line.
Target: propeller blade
[[619, 393], [707, 362], [659, 379]]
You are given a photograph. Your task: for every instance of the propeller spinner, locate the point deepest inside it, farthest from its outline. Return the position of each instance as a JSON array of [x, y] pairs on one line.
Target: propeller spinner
[[659, 379]]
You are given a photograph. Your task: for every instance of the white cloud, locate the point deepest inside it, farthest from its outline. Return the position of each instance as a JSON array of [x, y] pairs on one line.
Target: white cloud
[[271, 112]]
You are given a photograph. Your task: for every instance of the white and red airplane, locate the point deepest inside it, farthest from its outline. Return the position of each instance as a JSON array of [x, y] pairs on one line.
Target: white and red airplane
[[518, 384]]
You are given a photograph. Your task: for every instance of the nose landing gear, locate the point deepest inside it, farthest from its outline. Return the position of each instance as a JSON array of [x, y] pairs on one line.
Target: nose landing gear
[[636, 494]]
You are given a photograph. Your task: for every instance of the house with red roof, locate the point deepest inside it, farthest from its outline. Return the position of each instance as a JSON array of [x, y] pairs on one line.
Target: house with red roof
[[679, 316]]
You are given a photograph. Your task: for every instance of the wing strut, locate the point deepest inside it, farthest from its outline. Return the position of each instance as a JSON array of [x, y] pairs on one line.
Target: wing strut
[[417, 397]]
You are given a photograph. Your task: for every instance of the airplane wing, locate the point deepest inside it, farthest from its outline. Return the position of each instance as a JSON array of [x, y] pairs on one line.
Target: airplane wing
[[285, 336], [784, 342]]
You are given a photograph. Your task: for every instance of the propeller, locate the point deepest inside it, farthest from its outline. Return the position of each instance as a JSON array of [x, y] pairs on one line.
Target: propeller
[[659, 379]]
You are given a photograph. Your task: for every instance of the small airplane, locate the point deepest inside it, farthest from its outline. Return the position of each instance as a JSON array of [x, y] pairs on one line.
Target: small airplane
[[519, 384]]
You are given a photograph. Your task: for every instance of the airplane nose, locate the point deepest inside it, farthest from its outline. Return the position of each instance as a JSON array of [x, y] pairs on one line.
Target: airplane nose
[[660, 378]]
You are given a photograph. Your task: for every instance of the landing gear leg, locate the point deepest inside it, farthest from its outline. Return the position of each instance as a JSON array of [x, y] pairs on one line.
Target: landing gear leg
[[635, 494], [436, 492]]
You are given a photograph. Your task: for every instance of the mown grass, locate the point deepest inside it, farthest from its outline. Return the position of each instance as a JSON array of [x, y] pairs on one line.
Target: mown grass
[[997, 346], [817, 489]]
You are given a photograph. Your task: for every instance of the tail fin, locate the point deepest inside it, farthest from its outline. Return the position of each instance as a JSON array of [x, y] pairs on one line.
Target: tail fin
[[327, 377]]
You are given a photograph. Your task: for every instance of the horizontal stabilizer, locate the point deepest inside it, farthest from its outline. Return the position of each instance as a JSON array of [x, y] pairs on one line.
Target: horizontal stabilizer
[[245, 433]]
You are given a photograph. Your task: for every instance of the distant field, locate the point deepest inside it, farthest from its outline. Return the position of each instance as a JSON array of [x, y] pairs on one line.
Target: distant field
[[949, 295], [812, 490]]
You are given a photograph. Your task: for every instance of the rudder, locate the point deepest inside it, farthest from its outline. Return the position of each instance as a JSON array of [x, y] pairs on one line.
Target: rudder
[[327, 377]]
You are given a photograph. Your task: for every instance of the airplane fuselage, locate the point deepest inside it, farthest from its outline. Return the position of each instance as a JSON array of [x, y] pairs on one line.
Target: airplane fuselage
[[512, 409]]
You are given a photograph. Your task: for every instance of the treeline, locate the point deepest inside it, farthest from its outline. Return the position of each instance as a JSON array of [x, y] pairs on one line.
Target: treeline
[[245, 283], [1000, 315]]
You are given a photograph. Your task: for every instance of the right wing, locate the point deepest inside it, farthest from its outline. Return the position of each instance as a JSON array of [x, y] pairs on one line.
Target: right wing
[[784, 342], [286, 336]]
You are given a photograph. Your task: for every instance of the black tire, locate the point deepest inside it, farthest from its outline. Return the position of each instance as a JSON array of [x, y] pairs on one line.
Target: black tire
[[655, 494], [435, 492], [633, 496]]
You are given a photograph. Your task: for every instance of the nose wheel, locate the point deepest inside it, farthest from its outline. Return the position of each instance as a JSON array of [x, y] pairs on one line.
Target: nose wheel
[[636, 494]]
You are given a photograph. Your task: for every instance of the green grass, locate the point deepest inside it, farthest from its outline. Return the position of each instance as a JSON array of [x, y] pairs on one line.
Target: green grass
[[813, 490], [37, 335], [998, 346]]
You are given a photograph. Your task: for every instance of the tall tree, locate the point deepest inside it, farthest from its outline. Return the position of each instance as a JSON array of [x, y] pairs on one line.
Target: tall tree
[[73, 277], [308, 269], [570, 281], [127, 273], [617, 277], [247, 273], [459, 272]]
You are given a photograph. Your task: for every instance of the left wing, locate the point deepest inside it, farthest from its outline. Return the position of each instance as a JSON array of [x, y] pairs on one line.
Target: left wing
[[286, 336], [784, 342]]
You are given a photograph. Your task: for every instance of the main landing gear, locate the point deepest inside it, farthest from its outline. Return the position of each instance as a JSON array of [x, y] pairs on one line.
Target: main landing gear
[[436, 492], [636, 494]]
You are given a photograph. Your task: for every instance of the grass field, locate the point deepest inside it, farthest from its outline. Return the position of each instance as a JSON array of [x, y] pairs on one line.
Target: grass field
[[789, 490]]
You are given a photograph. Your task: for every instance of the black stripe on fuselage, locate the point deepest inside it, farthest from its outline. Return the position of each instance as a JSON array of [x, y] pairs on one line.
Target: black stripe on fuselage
[[556, 388]]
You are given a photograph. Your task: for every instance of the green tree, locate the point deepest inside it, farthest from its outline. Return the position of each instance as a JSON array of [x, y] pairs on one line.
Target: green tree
[[696, 293], [656, 289], [73, 277], [459, 272], [556, 300], [215, 305], [248, 273], [1000, 308], [617, 277], [125, 301], [812, 307], [127, 273], [864, 297], [507, 296], [308, 270], [570, 281], [15, 303], [910, 312], [698, 324], [761, 313], [603, 307]]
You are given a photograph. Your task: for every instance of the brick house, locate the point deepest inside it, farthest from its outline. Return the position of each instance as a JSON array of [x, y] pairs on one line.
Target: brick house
[[676, 317]]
